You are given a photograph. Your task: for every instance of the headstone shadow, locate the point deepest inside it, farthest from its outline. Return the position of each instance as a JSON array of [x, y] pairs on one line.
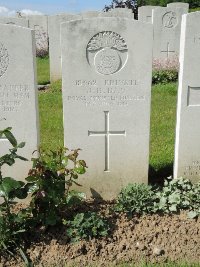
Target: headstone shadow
[[157, 177]]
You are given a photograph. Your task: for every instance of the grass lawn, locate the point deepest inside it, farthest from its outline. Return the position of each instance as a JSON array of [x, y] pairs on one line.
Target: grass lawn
[[43, 75], [51, 120], [163, 117]]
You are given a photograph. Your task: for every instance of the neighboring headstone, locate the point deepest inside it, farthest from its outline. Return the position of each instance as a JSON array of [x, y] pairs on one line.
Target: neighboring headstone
[[14, 21], [18, 94], [106, 69], [145, 13], [118, 12], [54, 23], [89, 14], [180, 5], [187, 147], [167, 29], [39, 23]]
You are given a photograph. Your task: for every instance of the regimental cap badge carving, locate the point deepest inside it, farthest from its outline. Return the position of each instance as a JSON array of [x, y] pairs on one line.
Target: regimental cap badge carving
[[107, 52], [170, 20], [4, 59]]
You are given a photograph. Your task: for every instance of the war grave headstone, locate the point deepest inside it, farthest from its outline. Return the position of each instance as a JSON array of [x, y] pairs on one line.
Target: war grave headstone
[[106, 70], [118, 12], [39, 23], [18, 94], [167, 29], [54, 22], [89, 14], [145, 13], [179, 4], [15, 21], [187, 145]]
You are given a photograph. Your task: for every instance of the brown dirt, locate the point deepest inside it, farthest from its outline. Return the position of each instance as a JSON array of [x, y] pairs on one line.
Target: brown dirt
[[154, 239]]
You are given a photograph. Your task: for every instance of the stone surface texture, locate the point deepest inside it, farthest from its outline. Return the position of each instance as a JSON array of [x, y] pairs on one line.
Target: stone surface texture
[[18, 94], [187, 147], [167, 29], [179, 4], [54, 23], [15, 21], [145, 13], [106, 100], [118, 12]]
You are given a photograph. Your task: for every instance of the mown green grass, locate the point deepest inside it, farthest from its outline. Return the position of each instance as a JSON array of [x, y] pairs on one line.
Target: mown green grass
[[43, 75], [163, 122], [51, 118]]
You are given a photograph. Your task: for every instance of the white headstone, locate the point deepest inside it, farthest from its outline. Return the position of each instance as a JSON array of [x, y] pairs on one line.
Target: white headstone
[[39, 23], [179, 4], [106, 68], [145, 13], [167, 29], [18, 94], [54, 22], [14, 21], [187, 148], [118, 12], [89, 14]]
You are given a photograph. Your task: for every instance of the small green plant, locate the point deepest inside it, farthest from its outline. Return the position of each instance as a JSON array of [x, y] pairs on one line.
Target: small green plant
[[86, 226], [178, 194], [195, 201], [49, 182], [174, 195], [164, 76], [12, 225], [135, 198]]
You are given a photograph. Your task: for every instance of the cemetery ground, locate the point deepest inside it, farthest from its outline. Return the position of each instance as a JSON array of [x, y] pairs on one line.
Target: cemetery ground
[[148, 240]]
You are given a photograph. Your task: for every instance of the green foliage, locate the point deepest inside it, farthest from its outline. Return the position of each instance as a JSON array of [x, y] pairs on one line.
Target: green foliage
[[176, 195], [164, 76], [49, 182], [179, 194], [135, 198], [50, 102], [86, 226], [12, 225], [163, 114], [43, 74]]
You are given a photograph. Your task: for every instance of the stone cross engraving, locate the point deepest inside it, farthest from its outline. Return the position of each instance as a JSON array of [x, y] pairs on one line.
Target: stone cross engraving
[[107, 133], [148, 18], [168, 50]]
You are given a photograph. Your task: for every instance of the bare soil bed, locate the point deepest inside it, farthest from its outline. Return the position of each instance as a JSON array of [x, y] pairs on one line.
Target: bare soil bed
[[149, 238]]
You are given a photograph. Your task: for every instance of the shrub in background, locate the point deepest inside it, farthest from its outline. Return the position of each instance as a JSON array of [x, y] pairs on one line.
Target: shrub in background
[[165, 70]]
